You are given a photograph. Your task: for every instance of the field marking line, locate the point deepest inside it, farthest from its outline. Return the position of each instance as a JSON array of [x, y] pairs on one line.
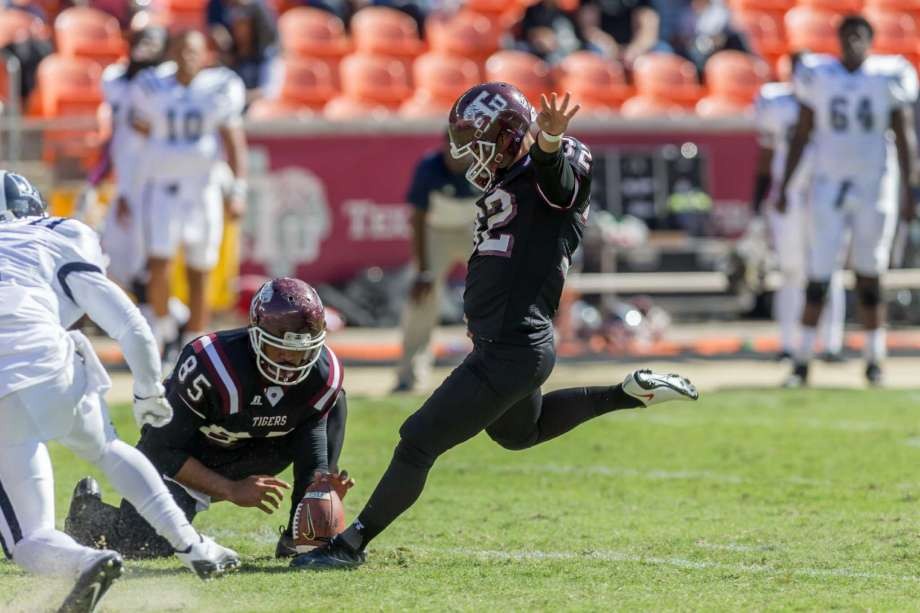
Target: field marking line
[[606, 555]]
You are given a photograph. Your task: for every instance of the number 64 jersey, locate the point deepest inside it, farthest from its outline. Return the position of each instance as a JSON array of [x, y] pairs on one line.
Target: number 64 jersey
[[523, 248]]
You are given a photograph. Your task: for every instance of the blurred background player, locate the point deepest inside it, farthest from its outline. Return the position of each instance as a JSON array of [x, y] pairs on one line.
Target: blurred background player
[[777, 112], [191, 117], [52, 387], [848, 109], [247, 404], [442, 215]]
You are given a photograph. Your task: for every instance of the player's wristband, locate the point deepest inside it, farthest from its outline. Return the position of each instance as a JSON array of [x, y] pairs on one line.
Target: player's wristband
[[551, 138], [239, 189]]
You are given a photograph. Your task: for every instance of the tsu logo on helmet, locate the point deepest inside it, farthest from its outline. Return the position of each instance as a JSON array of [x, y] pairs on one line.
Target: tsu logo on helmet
[[483, 110]]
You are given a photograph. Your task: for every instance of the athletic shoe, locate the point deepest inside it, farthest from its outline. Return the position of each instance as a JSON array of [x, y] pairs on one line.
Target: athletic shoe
[[832, 357], [208, 560], [873, 374], [651, 388], [798, 378], [89, 520], [336, 555], [782, 356], [93, 583], [285, 547]]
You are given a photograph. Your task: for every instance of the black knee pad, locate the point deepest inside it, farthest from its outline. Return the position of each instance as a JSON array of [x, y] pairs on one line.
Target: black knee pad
[[414, 455], [870, 296], [513, 443], [816, 291]]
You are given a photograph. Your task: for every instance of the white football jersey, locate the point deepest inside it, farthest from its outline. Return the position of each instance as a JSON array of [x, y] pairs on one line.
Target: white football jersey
[[853, 111], [127, 144], [776, 115], [185, 121], [36, 256]]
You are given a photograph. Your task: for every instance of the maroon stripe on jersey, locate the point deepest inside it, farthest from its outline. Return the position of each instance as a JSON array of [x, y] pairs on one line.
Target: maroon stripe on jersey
[[228, 366], [556, 206], [215, 378], [327, 393]]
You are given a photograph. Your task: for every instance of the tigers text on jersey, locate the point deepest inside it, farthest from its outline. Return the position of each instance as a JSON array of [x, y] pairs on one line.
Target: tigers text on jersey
[[853, 111], [185, 121], [776, 115], [522, 250], [37, 254], [217, 389]]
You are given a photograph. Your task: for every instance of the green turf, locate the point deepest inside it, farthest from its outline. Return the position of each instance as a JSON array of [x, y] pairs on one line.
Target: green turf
[[748, 500]]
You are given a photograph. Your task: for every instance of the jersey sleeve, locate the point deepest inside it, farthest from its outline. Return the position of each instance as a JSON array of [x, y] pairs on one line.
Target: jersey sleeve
[[763, 119], [83, 246], [420, 188], [190, 387], [332, 376], [806, 81], [142, 96], [231, 100], [564, 177], [903, 86], [110, 77]]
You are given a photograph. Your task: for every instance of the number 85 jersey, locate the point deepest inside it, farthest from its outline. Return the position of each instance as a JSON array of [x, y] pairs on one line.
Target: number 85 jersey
[[523, 246], [853, 111], [185, 120]]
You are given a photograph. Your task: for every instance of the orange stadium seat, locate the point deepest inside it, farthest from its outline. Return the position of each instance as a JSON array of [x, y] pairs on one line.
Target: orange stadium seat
[[777, 7], [86, 32], [812, 29], [911, 7], [466, 33], [765, 32], [596, 83], [313, 32], [841, 7], [16, 25], [386, 31], [895, 33], [185, 14], [67, 86], [345, 108], [639, 107], [666, 76], [439, 80], [374, 79], [265, 109], [735, 76], [4, 82], [713, 106], [307, 82], [527, 72]]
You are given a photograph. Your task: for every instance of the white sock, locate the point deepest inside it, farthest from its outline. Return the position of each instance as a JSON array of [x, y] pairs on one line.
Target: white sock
[[806, 345], [834, 315], [52, 553], [787, 311], [875, 348], [137, 480]]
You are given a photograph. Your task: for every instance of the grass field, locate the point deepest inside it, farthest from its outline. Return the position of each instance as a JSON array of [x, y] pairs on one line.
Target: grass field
[[755, 499]]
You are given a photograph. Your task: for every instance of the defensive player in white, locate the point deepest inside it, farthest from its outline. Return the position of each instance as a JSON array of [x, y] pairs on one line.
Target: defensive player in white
[[777, 112], [52, 387], [850, 109], [191, 117]]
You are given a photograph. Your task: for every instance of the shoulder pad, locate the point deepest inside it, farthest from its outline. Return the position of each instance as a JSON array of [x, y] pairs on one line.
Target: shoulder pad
[[113, 72], [331, 372], [772, 91], [81, 238]]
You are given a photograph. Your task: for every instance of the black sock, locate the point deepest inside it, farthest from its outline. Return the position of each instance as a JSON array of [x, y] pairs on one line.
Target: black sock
[[564, 409]]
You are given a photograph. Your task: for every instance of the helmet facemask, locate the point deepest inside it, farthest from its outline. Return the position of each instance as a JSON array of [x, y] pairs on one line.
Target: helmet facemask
[[282, 374]]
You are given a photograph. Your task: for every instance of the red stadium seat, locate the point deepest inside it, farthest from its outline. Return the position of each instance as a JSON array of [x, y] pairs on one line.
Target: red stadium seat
[[910, 7], [265, 110], [16, 25], [439, 80], [315, 33], [523, 70], [307, 82], [735, 76], [766, 33], [841, 7], [714, 106], [812, 29], [467, 34], [776, 7], [374, 80], [596, 83], [345, 108], [382, 30], [665, 76], [87, 32], [641, 106], [67, 86], [895, 34], [185, 14]]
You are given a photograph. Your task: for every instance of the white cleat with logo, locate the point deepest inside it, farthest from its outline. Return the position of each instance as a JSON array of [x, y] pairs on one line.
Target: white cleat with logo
[[652, 388], [209, 560]]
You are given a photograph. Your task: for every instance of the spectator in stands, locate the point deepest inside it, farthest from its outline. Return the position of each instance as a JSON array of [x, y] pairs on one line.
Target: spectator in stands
[[28, 48], [343, 9], [550, 32], [417, 9], [247, 36], [624, 29], [25, 5], [442, 215], [703, 28]]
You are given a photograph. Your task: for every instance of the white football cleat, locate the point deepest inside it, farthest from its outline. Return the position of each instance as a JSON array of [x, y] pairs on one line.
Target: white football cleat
[[651, 388], [208, 560]]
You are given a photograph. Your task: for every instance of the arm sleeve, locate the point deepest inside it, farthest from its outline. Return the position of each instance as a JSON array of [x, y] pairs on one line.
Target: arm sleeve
[[763, 121], [109, 307], [310, 448], [804, 82], [903, 86], [232, 101], [561, 174], [335, 429], [419, 188]]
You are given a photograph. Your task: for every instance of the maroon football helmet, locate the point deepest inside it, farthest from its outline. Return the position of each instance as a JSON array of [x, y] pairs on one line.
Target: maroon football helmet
[[489, 123], [287, 314]]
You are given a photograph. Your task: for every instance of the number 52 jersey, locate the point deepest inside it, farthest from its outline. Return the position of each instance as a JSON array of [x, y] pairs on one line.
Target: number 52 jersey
[[185, 120], [853, 112]]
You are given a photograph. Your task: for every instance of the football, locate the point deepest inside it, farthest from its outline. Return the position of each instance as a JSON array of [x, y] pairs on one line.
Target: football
[[319, 516]]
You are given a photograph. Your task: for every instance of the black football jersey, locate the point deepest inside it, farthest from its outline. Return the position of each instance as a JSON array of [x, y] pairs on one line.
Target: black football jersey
[[217, 385], [522, 250]]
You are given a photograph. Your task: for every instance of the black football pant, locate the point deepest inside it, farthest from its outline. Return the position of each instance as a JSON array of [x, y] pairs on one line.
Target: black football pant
[[496, 389], [133, 537]]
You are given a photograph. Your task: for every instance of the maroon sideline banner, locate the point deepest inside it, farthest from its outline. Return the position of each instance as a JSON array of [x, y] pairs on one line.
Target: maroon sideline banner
[[327, 202]]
